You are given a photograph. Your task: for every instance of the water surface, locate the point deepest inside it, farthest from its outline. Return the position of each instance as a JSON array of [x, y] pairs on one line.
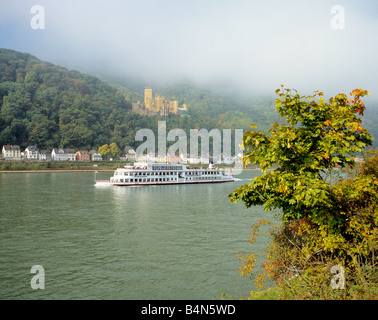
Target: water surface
[[149, 242]]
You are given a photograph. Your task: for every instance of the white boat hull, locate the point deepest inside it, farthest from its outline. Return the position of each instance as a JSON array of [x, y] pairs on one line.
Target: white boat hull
[[110, 183], [144, 174]]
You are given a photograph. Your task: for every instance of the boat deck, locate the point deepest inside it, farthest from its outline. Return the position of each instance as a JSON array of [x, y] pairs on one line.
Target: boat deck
[[108, 182]]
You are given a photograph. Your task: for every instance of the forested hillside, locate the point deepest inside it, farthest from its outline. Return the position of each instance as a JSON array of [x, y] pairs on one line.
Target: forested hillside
[[49, 106], [212, 108]]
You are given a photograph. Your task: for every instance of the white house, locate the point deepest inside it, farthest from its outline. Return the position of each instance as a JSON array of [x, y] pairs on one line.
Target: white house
[[149, 158], [183, 158], [11, 152], [31, 153], [194, 160], [128, 154], [95, 155], [44, 155], [63, 154]]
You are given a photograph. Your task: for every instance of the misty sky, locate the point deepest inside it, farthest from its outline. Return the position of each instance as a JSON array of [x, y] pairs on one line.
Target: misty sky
[[253, 45]]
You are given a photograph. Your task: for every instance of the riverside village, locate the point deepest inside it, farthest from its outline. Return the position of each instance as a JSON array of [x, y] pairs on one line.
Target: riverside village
[[157, 105]]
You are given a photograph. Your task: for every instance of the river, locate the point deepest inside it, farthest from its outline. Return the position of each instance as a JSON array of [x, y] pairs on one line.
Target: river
[[150, 242]]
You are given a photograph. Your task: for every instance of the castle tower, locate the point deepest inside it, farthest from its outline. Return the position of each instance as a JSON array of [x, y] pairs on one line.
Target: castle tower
[[147, 97], [173, 107], [160, 103]]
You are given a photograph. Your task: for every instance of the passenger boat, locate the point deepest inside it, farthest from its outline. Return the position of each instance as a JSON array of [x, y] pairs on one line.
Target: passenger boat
[[141, 174]]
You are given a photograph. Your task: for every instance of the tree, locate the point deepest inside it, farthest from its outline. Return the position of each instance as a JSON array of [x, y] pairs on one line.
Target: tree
[[327, 220], [39, 130], [104, 150], [111, 150], [114, 151], [316, 138]]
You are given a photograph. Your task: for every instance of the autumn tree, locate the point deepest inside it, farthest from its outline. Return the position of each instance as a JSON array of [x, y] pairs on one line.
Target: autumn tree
[[114, 151], [315, 138], [104, 150], [325, 220]]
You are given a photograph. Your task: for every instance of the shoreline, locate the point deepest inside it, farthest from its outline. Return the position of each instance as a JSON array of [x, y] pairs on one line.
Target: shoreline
[[55, 170], [76, 170]]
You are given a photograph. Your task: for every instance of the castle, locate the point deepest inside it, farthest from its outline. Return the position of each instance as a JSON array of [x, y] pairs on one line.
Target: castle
[[158, 105]]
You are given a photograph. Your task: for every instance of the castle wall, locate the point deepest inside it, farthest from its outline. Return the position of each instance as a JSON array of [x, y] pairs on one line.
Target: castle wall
[[155, 106], [139, 108]]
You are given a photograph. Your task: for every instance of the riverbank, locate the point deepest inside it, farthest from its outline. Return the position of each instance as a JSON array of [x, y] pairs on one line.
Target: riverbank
[[76, 170], [57, 166], [56, 170], [51, 166]]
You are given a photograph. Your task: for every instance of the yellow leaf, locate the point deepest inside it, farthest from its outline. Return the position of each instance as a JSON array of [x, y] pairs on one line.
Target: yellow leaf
[[354, 126]]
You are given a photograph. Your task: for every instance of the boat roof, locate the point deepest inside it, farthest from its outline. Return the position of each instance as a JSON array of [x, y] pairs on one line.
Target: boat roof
[[154, 166], [160, 166]]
